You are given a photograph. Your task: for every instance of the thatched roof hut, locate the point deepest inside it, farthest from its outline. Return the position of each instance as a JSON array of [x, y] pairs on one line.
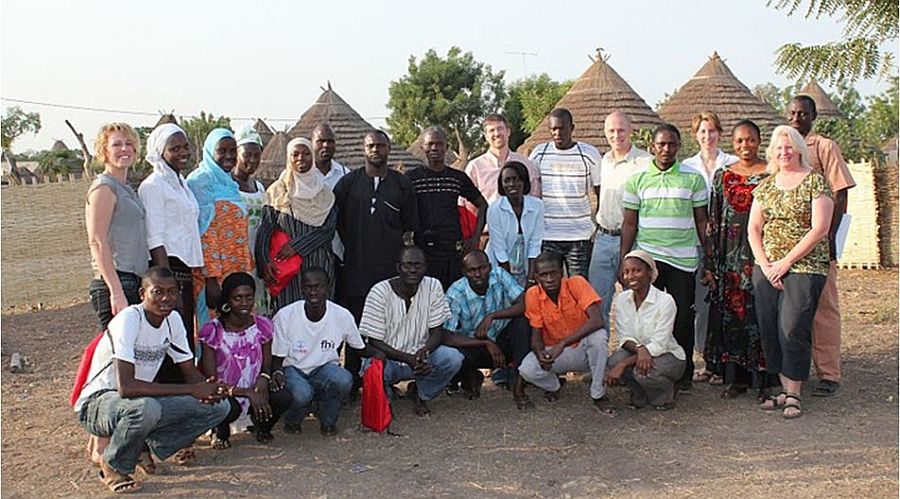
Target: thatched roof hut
[[715, 88], [166, 118], [59, 146], [349, 130], [597, 92], [825, 108], [273, 157], [265, 133]]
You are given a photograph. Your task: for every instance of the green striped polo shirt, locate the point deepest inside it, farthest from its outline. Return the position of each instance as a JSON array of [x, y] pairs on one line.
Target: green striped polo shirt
[[665, 202]]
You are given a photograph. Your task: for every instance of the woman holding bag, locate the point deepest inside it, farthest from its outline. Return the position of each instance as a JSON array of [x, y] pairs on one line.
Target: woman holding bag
[[300, 212]]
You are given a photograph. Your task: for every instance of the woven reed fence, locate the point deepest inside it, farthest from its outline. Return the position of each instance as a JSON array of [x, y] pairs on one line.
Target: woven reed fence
[[886, 184], [862, 250], [45, 256]]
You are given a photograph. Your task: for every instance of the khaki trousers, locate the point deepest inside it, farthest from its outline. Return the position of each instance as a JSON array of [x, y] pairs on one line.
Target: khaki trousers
[[826, 344]]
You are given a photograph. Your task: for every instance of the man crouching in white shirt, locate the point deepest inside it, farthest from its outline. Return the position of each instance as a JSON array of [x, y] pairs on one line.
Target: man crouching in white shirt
[[120, 399], [649, 361], [308, 337]]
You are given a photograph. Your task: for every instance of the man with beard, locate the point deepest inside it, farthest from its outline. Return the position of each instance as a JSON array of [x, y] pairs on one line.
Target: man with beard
[[438, 190], [376, 216], [403, 318]]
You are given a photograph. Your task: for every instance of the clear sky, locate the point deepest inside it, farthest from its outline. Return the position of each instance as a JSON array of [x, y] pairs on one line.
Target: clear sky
[[269, 59]]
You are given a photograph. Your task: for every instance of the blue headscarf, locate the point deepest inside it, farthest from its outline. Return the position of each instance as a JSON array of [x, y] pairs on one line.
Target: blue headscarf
[[210, 183]]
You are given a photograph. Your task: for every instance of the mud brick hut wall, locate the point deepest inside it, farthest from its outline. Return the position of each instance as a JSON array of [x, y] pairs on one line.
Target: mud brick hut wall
[[45, 256]]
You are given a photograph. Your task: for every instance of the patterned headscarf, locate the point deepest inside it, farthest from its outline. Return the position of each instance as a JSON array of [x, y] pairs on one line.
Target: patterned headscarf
[[210, 183], [248, 135]]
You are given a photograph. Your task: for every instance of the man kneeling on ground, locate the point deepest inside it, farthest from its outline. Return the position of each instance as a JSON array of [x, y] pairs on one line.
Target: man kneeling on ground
[[308, 337], [403, 317], [650, 360], [120, 399], [487, 324], [568, 334]]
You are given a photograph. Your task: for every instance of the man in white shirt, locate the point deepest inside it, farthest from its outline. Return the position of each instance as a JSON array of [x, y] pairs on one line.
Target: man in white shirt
[[485, 169], [617, 165], [308, 336], [324, 148], [120, 399], [650, 361], [568, 170], [403, 318]]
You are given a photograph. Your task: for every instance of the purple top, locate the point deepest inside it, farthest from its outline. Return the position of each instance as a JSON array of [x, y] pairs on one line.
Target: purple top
[[238, 354]]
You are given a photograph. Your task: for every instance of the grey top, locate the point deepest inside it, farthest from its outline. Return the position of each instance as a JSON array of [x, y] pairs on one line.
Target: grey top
[[127, 233]]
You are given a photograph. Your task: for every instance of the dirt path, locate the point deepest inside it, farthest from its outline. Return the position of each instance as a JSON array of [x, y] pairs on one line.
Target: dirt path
[[707, 447]]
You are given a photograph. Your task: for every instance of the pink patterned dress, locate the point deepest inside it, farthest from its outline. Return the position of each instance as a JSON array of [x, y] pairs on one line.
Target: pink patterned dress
[[239, 354]]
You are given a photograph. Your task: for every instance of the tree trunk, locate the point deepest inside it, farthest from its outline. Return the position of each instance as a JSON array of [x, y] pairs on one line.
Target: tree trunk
[[84, 150], [13, 171]]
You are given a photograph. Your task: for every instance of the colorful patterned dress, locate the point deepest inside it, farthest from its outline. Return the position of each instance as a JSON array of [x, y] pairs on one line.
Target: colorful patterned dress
[[255, 202], [733, 335]]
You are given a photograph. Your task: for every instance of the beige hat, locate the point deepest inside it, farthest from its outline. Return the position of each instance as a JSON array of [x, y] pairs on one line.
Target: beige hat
[[646, 258]]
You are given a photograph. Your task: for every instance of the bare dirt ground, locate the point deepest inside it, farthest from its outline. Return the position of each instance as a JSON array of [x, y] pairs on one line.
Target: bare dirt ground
[[707, 447]]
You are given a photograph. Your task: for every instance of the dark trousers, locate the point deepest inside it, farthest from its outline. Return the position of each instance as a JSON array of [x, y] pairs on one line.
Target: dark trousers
[[680, 285], [168, 371], [279, 401], [514, 340], [100, 295], [352, 360], [443, 266], [576, 255], [785, 319]]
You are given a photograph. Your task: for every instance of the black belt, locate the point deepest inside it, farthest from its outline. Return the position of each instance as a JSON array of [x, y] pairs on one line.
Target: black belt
[[609, 232]]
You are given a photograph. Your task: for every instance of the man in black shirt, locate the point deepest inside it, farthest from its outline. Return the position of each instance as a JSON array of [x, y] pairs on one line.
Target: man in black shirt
[[438, 190]]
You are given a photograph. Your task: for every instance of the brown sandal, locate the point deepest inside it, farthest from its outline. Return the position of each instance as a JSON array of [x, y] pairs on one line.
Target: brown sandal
[[117, 482], [185, 456]]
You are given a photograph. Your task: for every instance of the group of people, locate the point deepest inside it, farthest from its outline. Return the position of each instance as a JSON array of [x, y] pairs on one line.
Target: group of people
[[441, 273]]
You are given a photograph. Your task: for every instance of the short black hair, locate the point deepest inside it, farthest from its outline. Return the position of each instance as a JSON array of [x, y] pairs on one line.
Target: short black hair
[[809, 102], [476, 251], [667, 127], [382, 133], [434, 130], [156, 273], [312, 271], [749, 124], [550, 256], [408, 249], [521, 171], [562, 113]]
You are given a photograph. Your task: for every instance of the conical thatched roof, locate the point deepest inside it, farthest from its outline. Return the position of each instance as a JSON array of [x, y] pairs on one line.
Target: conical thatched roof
[[715, 88], [59, 146], [597, 92], [349, 130], [265, 133], [166, 118], [273, 158], [825, 108]]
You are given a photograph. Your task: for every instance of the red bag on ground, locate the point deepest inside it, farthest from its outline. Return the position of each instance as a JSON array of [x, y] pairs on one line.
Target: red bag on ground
[[84, 368], [467, 222], [285, 270], [376, 409]]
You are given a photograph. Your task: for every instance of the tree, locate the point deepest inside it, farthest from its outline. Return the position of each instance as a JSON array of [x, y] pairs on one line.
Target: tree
[[779, 98], [868, 25], [12, 126], [198, 127], [455, 92], [528, 102]]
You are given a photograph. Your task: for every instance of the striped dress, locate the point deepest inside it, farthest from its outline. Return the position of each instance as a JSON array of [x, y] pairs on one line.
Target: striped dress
[[312, 243], [665, 202]]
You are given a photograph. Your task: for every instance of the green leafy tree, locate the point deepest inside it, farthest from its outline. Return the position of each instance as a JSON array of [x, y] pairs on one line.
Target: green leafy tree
[[198, 127], [528, 102], [868, 24], [13, 125], [454, 92], [779, 98], [59, 162]]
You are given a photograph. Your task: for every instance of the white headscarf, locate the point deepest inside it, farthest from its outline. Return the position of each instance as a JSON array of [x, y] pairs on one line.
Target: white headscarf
[[247, 135], [303, 195], [156, 144]]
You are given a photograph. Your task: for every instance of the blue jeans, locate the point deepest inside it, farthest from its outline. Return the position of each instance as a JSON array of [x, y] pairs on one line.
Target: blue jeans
[[165, 424], [576, 255], [328, 385], [604, 270], [445, 363]]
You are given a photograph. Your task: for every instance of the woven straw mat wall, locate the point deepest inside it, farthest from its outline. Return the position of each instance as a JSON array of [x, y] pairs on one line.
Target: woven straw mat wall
[[45, 253], [886, 180], [862, 248]]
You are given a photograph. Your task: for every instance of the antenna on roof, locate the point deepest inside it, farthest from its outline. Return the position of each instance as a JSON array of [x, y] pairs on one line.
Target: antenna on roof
[[600, 56]]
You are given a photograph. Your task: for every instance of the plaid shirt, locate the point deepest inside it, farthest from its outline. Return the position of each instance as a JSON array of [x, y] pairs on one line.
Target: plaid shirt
[[468, 309]]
